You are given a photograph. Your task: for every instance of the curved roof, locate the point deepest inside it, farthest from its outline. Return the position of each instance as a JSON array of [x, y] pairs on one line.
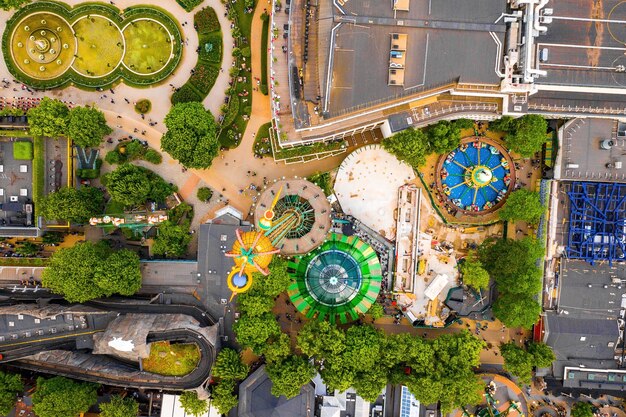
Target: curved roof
[[338, 281]]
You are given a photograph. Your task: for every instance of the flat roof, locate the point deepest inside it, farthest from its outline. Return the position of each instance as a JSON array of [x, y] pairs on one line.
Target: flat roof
[[582, 156], [585, 42], [604, 379]]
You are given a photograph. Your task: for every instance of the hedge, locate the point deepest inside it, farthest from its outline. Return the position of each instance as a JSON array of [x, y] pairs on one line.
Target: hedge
[[39, 170], [215, 55], [204, 77], [185, 94], [264, 46], [232, 112], [189, 5], [206, 21]]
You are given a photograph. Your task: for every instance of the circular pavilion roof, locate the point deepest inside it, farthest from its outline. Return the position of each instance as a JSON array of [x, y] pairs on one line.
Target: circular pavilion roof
[[338, 281], [303, 210]]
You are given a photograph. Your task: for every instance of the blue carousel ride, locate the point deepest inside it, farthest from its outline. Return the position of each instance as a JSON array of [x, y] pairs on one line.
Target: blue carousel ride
[[476, 176]]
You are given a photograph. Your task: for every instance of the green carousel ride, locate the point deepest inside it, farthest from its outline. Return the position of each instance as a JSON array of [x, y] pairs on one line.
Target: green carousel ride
[[338, 281]]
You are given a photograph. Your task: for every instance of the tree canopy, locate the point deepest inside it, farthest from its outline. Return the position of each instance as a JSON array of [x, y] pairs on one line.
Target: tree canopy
[[474, 275], [410, 145], [277, 349], [132, 185], [254, 302], [443, 137], [86, 271], [119, 407], [253, 332], [223, 397], [62, 397], [87, 126], [516, 310], [228, 365], [522, 205], [10, 386], [520, 362], [172, 240], [582, 409], [289, 375], [524, 135], [49, 118], [192, 404], [191, 135], [71, 204]]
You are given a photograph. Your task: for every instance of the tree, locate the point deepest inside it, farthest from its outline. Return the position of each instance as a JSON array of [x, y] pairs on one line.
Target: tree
[[443, 137], [363, 347], [277, 281], [277, 349], [369, 385], [191, 135], [119, 407], [87, 126], [517, 361], [582, 409], [229, 365], [49, 118], [503, 124], [410, 145], [527, 134], [290, 375], [132, 185], [172, 240], [27, 249], [72, 205], [223, 397], [10, 386], [62, 397], [204, 194], [522, 205], [321, 339], [253, 332], [474, 275], [12, 4], [464, 123], [543, 355], [78, 272], [254, 302], [376, 311], [119, 274], [515, 310], [192, 404]]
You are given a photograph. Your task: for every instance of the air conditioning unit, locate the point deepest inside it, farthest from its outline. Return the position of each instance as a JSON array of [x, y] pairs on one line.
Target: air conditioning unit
[[606, 144]]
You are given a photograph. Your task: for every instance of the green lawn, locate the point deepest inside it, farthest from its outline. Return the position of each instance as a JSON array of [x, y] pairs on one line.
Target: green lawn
[[174, 359], [148, 46], [100, 46], [39, 171], [262, 145], [264, 45], [23, 150]]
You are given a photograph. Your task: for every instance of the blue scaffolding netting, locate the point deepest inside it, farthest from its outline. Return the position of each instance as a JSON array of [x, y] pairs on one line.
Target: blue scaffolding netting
[[596, 222]]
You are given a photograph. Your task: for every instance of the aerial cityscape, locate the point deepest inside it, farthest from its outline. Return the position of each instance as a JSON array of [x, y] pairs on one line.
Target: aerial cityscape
[[313, 208]]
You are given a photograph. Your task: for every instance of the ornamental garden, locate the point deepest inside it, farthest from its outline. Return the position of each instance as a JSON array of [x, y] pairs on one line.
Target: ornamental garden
[[48, 45]]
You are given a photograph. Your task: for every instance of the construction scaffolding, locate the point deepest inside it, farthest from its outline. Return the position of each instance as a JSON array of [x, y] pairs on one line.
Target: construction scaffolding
[[596, 222]]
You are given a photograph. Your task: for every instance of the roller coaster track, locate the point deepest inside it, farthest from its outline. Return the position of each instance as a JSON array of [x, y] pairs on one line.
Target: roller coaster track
[[17, 352]]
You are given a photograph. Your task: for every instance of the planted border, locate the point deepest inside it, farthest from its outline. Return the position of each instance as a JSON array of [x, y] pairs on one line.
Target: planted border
[[71, 77]]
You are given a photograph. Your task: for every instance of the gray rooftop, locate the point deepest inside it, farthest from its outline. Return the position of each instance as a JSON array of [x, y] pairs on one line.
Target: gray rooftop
[[595, 379], [581, 155], [441, 47], [256, 399]]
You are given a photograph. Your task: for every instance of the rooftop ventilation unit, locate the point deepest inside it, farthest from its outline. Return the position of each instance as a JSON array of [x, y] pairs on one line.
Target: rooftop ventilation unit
[[606, 144]]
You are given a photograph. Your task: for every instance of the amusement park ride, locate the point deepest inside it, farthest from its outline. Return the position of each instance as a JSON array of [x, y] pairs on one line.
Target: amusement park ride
[[490, 409]]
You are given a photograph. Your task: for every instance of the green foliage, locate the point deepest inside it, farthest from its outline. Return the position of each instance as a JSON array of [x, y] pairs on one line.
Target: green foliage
[[410, 145], [114, 157], [204, 194], [277, 349], [88, 174], [87, 126], [232, 110], [443, 137], [132, 150], [189, 5], [49, 118], [223, 397], [23, 150], [212, 54], [86, 271], [143, 106], [322, 180], [27, 249], [71, 204], [277, 281], [62, 397], [52, 238], [520, 362], [289, 375], [153, 156], [474, 275], [522, 205], [186, 94], [119, 407], [132, 185], [515, 310], [254, 302], [192, 404], [464, 123], [525, 135], [582, 409], [11, 111], [228, 365], [10, 386], [191, 137], [253, 332], [376, 311], [204, 77], [321, 339], [542, 354], [263, 52], [206, 21], [172, 240]]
